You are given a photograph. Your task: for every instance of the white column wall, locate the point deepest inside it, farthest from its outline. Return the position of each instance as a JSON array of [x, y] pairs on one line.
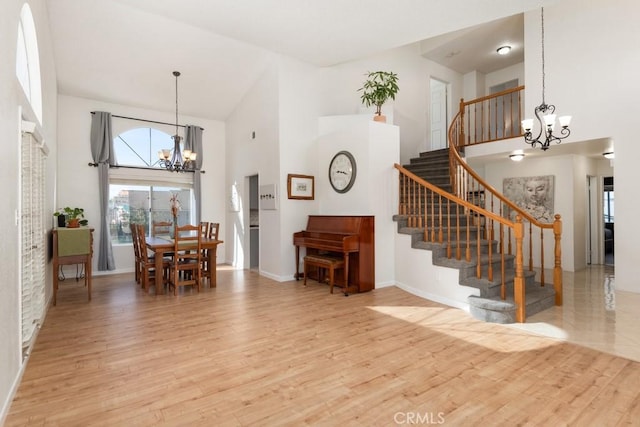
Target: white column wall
[[591, 63], [11, 98], [340, 86], [246, 156], [375, 147]]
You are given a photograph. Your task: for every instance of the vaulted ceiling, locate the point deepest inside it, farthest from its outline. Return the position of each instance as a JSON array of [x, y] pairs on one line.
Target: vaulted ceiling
[[124, 51]]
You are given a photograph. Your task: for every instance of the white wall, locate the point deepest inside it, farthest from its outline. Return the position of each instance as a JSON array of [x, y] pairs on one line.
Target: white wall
[[298, 124], [415, 273], [591, 63], [77, 183], [340, 86], [257, 112], [375, 147], [11, 97], [504, 75], [562, 168]]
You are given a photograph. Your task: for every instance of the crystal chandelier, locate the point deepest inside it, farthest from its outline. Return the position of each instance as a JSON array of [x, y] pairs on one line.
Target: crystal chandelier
[[177, 160], [545, 114]]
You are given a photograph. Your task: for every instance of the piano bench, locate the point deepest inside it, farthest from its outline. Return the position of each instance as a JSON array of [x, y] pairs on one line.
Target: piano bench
[[330, 263]]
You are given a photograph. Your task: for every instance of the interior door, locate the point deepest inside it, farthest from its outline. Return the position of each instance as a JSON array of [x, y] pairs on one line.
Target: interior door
[[438, 114]]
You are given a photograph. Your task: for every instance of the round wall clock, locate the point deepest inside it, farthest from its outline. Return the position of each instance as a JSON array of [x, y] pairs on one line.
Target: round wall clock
[[342, 171]]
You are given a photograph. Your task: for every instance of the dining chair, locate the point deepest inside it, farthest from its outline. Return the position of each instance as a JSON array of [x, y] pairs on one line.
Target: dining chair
[[136, 250], [186, 266], [212, 233], [161, 228], [214, 228], [148, 274]]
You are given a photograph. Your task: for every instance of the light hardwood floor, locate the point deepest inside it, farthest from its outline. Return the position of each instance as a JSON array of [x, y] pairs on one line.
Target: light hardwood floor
[[256, 352]]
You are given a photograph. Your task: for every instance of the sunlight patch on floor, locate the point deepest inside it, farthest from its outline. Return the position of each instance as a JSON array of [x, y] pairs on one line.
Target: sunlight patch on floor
[[458, 324]]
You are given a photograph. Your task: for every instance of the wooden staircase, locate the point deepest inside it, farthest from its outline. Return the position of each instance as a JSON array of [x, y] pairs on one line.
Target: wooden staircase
[[474, 271]]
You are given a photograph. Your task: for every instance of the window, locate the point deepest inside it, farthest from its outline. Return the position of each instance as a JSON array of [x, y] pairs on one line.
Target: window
[[143, 204], [140, 146], [141, 194], [28, 62]]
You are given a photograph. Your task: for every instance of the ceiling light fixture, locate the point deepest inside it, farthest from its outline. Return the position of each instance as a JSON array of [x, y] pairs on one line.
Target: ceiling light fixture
[[516, 157], [548, 119], [609, 155], [503, 50], [178, 160]]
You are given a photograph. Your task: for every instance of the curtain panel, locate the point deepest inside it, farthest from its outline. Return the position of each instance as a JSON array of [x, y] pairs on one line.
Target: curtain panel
[[193, 142], [104, 155]]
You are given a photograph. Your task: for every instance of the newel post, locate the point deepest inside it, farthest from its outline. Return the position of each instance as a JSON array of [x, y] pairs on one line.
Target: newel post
[[518, 281], [557, 268]]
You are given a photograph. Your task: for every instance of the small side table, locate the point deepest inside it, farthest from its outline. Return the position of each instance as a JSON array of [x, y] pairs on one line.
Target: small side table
[[72, 246]]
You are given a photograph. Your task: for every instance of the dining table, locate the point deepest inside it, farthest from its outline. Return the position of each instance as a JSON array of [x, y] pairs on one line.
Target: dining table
[[161, 245]]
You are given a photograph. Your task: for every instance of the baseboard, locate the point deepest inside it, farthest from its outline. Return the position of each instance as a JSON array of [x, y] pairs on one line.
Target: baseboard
[[432, 297], [18, 379]]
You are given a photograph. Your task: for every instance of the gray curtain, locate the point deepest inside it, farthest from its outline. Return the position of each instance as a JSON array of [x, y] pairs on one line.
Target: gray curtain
[[103, 155], [193, 142]]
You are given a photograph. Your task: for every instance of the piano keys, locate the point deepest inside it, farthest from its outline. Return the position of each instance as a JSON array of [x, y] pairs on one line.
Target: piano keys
[[352, 237]]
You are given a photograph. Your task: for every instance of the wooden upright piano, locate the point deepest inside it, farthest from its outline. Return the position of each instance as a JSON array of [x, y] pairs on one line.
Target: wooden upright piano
[[352, 237]]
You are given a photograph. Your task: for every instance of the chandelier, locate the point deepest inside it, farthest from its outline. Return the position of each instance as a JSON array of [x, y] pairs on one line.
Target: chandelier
[[545, 113], [176, 160]]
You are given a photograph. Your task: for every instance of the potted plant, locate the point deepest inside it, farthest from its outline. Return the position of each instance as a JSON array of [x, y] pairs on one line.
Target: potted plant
[[379, 87], [74, 217]]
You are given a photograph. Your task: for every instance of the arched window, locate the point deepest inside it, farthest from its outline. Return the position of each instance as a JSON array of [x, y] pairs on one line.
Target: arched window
[[140, 146], [143, 196], [28, 61]]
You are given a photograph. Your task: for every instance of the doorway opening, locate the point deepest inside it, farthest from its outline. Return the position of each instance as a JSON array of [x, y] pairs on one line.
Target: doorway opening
[[439, 120], [609, 217], [254, 224]]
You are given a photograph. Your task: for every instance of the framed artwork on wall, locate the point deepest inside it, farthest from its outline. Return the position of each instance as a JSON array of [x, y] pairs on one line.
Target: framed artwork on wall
[[268, 197], [534, 194], [300, 187]]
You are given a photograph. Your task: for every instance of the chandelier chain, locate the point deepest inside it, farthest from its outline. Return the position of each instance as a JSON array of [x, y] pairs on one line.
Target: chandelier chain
[[176, 160], [545, 113], [177, 74], [543, 74]]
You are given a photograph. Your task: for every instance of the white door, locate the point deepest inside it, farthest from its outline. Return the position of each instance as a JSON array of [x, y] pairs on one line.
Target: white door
[[438, 114]]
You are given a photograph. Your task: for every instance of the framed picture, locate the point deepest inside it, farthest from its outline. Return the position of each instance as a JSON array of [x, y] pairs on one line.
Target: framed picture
[[300, 187], [534, 194], [268, 197]]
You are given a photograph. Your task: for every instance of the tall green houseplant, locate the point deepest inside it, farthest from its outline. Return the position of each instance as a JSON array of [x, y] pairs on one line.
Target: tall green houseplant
[[379, 87]]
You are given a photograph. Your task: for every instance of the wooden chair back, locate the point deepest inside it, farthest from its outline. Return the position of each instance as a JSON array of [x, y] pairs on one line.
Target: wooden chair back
[[136, 250], [204, 229], [187, 258], [148, 274], [214, 229], [161, 228], [212, 233]]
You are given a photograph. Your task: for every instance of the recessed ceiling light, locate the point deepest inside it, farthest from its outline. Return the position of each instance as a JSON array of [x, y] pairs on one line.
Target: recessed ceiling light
[[609, 155], [503, 50], [516, 157]]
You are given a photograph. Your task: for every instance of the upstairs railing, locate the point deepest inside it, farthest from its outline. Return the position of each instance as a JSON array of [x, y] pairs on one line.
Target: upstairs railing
[[491, 118], [474, 215]]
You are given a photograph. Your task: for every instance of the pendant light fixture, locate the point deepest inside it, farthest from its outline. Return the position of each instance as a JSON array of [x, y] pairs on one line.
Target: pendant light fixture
[[545, 114], [177, 160]]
